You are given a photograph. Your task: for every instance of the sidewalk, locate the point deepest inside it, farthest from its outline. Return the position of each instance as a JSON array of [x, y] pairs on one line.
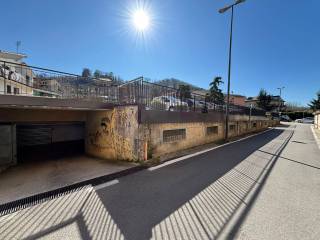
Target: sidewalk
[[33, 178]]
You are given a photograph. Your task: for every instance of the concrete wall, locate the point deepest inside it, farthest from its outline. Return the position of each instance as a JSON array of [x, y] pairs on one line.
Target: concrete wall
[[196, 134], [112, 134], [317, 120], [41, 115], [130, 133], [8, 151]]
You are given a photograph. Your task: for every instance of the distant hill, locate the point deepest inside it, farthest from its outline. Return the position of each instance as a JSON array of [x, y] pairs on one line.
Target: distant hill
[[174, 83]]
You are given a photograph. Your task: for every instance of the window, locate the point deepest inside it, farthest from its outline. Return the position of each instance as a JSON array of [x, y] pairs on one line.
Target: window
[[27, 80], [232, 127], [16, 90], [174, 135], [8, 89], [212, 130], [254, 124]]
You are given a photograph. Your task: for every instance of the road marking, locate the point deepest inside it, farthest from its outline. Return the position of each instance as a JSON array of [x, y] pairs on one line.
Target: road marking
[[203, 151], [107, 184], [315, 136]]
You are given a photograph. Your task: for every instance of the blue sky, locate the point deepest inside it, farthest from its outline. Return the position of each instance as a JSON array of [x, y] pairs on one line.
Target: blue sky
[[276, 43]]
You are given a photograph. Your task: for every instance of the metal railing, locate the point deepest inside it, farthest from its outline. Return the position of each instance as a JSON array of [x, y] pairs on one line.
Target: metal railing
[[21, 79], [157, 97]]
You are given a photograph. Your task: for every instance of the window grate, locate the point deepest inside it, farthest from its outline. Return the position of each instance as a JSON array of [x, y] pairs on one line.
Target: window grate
[[174, 135], [212, 130]]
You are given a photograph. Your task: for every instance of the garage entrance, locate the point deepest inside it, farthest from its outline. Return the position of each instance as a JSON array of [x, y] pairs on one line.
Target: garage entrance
[[49, 141]]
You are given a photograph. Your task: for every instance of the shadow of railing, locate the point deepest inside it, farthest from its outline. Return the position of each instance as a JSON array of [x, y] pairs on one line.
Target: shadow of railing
[[192, 199], [196, 198]]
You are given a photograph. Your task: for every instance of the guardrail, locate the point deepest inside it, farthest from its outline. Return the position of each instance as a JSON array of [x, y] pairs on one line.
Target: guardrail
[[21, 79]]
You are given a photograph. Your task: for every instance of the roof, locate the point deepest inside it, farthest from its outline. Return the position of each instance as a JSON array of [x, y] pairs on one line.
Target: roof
[[11, 55]]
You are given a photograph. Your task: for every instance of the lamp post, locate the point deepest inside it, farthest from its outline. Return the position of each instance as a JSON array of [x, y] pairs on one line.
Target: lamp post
[[223, 10], [280, 89]]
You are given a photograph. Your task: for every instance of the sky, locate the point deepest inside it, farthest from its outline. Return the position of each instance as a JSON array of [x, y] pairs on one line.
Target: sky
[[275, 44]]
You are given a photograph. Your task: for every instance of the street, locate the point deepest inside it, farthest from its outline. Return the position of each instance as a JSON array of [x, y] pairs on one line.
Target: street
[[263, 187]]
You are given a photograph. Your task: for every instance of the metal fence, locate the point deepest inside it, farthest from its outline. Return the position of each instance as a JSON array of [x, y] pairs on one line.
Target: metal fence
[[21, 79], [157, 97]]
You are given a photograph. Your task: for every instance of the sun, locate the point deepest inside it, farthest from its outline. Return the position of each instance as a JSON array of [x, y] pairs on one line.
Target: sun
[[141, 20]]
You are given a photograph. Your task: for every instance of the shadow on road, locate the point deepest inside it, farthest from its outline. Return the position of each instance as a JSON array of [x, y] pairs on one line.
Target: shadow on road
[[195, 198]]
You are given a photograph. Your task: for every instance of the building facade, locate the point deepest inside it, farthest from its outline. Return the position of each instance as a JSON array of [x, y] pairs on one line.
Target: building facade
[[276, 104], [15, 76]]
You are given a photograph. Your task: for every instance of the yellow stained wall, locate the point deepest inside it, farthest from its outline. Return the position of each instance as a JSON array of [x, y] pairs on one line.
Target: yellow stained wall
[[317, 120], [111, 134], [196, 134]]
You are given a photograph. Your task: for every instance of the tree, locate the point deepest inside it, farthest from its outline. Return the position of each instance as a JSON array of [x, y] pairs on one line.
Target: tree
[[185, 91], [264, 100], [97, 73], [86, 72], [315, 103], [215, 93]]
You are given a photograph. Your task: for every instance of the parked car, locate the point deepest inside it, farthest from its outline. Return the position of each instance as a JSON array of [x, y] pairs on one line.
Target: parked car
[[285, 118], [308, 120], [305, 120], [168, 103], [198, 105]]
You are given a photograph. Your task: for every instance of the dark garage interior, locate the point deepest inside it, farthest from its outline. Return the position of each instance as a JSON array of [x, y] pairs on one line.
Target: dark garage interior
[[38, 142]]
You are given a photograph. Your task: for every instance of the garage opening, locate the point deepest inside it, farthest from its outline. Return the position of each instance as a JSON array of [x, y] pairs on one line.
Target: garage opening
[[49, 141]]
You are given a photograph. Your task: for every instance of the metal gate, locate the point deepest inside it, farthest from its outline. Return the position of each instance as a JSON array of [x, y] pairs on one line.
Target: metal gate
[[7, 145], [43, 141]]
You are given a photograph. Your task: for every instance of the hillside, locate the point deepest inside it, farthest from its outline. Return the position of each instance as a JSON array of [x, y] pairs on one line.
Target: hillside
[[174, 83]]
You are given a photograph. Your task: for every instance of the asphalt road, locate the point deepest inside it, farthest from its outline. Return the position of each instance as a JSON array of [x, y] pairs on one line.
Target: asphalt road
[[263, 187]]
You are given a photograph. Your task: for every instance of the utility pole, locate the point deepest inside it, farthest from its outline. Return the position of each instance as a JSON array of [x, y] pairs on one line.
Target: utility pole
[[223, 10], [279, 102]]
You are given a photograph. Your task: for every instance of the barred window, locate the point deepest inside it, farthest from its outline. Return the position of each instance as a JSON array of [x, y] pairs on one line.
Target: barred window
[[232, 127], [212, 130], [174, 135], [254, 124]]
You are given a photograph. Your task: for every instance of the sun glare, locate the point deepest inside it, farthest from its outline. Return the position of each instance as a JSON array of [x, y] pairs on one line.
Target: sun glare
[[141, 20]]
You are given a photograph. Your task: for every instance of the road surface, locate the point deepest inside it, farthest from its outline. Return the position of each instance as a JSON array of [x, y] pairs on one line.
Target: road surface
[[263, 187]]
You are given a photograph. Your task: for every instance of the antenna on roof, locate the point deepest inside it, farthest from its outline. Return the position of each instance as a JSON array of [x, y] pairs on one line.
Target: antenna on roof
[[18, 43]]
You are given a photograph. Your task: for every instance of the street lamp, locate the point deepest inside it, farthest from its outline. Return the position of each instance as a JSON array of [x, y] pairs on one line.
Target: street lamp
[[279, 109], [223, 10]]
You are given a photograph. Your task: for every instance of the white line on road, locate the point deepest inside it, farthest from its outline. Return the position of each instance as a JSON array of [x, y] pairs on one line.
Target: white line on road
[[315, 136], [107, 184], [204, 151]]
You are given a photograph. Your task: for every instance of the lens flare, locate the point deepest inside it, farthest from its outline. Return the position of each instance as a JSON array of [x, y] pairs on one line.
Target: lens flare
[[141, 20]]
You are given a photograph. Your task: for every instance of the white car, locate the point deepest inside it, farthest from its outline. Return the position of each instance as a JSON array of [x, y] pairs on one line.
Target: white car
[[168, 103], [308, 120]]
